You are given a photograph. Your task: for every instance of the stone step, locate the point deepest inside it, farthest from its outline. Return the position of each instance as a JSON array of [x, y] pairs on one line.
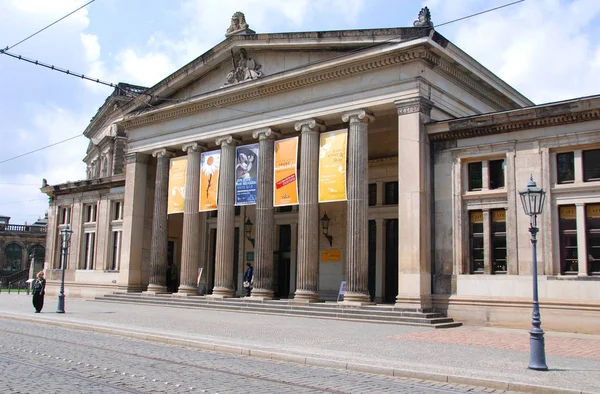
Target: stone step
[[370, 314]]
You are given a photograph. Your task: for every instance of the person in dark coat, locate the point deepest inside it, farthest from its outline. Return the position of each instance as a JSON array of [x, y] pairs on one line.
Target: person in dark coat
[[248, 278], [39, 289]]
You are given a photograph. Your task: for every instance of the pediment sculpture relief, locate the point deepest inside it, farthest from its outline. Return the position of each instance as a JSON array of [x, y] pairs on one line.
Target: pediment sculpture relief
[[244, 68]]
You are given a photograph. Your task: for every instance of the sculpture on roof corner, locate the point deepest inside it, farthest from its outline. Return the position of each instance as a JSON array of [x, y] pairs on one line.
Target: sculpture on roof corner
[[238, 25], [244, 68], [424, 18]]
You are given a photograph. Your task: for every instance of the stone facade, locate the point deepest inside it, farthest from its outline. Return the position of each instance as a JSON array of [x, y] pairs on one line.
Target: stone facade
[[404, 236]]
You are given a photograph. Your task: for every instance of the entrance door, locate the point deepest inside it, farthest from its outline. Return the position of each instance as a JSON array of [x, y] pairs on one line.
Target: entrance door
[[236, 259], [372, 257], [391, 261], [281, 263], [210, 283]]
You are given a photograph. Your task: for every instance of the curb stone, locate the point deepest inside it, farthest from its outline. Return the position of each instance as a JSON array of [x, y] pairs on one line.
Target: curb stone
[[310, 361]]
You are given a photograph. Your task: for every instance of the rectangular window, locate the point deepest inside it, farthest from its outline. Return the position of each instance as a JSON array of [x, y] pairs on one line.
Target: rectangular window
[[476, 240], [391, 193], [567, 228], [475, 176], [116, 250], [287, 208], [90, 240], [499, 263], [117, 210], [565, 167], [90, 213], [591, 165], [372, 194], [496, 174], [65, 216], [237, 210], [592, 213]]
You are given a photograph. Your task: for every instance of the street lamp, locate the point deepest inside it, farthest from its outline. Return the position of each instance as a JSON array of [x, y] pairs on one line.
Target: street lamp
[[533, 202], [66, 237], [248, 230], [325, 228]]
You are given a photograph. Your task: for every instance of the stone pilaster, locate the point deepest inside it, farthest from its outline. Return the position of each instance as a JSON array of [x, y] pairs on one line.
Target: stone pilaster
[[225, 219], [134, 210], [414, 205], [357, 225], [307, 283], [160, 230], [190, 246], [263, 253]]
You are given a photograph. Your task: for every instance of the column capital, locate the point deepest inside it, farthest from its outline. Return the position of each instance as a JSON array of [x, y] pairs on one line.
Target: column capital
[[310, 124], [266, 133], [414, 105], [228, 140], [164, 152], [193, 147], [142, 158], [359, 115]]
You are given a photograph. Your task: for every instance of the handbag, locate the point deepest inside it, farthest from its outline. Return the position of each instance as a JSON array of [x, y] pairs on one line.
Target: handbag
[[246, 284]]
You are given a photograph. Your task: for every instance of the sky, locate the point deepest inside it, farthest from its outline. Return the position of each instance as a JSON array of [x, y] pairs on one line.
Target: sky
[[549, 50]]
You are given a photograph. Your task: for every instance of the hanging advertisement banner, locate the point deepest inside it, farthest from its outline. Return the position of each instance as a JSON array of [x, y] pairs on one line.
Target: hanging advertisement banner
[[285, 184], [177, 170], [209, 179], [332, 166], [246, 170]]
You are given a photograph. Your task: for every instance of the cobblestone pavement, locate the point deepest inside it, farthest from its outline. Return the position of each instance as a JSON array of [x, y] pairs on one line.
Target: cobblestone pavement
[[555, 345], [42, 359]]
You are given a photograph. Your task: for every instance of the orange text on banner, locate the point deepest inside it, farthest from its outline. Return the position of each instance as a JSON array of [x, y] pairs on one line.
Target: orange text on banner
[[332, 166], [177, 170], [285, 185], [209, 179]]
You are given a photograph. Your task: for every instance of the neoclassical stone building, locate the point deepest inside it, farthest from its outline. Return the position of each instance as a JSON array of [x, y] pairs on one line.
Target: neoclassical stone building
[[437, 149]]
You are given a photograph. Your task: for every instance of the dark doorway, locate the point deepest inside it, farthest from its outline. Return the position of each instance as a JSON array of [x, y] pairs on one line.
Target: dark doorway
[[236, 257], [372, 257], [391, 261], [281, 263], [172, 279], [210, 279], [213, 257]]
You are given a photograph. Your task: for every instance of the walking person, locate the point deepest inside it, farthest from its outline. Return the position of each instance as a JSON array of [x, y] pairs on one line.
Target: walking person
[[39, 289], [248, 278]]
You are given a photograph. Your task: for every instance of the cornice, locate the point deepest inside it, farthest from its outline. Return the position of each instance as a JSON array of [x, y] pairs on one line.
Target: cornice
[[531, 119]]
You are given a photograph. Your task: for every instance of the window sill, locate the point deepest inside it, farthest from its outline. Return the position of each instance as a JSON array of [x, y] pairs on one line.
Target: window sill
[[593, 277], [475, 195]]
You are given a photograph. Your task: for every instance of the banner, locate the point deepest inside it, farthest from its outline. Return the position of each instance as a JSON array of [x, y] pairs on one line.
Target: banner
[[209, 179], [332, 166], [285, 184], [177, 170], [246, 170]]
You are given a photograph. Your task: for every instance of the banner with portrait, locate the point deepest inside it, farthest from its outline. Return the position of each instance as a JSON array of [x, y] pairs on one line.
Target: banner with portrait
[[332, 166], [246, 172], [177, 171], [285, 170], [209, 179]]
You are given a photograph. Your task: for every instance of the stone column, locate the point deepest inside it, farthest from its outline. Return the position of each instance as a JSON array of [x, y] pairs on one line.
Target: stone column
[[582, 249], [190, 246], [414, 199], [160, 230], [263, 256], [225, 219], [357, 225], [134, 211], [307, 283]]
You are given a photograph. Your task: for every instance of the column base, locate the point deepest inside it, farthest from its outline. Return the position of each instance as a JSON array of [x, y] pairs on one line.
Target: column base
[[305, 297], [356, 299], [420, 304], [221, 292], [185, 291], [260, 295], [154, 290]]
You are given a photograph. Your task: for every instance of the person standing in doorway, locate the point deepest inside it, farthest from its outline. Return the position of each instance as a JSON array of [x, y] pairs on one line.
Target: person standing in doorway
[[248, 278], [39, 289]]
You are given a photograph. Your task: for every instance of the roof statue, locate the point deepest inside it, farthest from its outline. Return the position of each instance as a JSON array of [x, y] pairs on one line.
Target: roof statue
[[244, 69], [238, 25], [424, 18]]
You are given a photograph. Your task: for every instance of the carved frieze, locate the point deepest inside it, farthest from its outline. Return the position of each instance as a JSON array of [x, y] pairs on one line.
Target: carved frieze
[[245, 68]]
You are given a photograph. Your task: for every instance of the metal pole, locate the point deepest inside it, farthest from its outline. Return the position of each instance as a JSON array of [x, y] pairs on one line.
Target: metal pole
[[537, 355], [61, 295]]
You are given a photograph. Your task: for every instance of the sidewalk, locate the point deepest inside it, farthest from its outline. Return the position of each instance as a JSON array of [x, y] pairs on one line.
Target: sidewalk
[[489, 357]]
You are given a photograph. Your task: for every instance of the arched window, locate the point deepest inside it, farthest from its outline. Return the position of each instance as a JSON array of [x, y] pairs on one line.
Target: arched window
[[13, 258]]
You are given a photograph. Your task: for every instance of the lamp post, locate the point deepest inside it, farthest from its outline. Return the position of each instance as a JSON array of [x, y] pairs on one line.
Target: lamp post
[[66, 237], [533, 202], [325, 228], [248, 230]]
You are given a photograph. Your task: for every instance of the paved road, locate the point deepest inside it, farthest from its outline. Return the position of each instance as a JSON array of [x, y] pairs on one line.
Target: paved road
[[36, 358]]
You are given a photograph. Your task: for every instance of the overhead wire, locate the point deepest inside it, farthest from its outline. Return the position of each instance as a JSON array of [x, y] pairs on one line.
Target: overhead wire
[[114, 85]]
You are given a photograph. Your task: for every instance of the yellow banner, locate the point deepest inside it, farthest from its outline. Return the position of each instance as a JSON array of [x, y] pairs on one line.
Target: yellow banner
[[209, 179], [177, 170], [332, 166], [285, 183]]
